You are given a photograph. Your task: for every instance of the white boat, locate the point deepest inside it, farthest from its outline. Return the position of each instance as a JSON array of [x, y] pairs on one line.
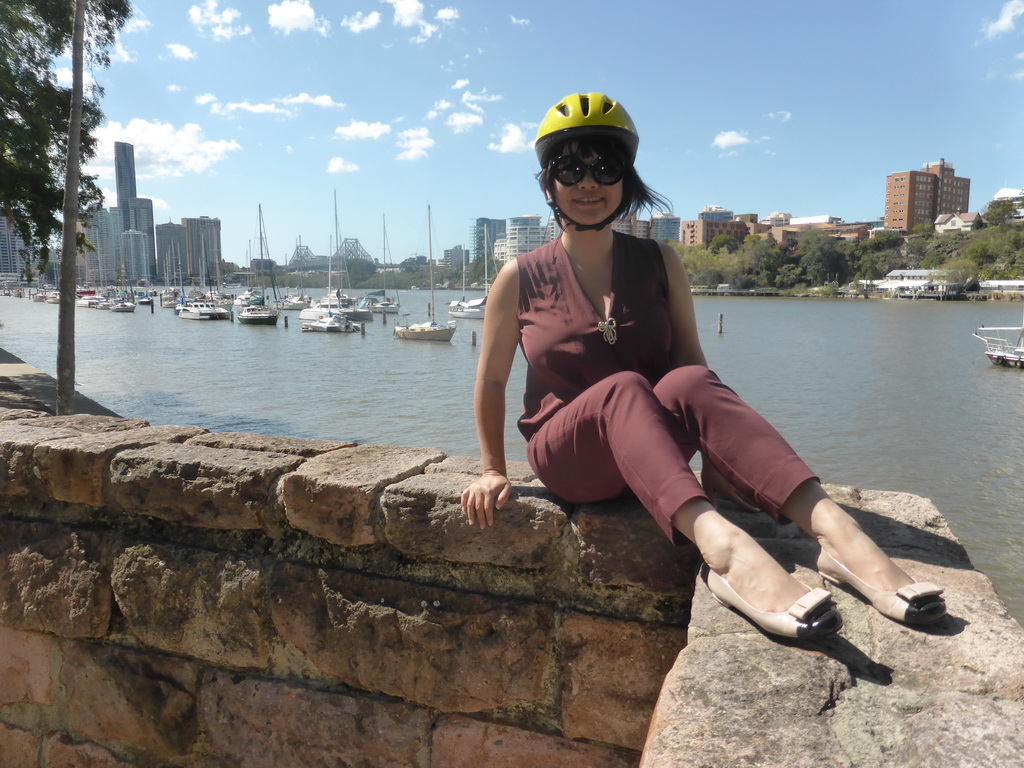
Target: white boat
[[1004, 345], [202, 310], [474, 308], [122, 305], [378, 305], [256, 311], [333, 324], [431, 330], [251, 296]]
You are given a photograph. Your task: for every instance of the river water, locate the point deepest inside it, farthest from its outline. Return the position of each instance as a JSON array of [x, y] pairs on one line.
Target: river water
[[890, 395]]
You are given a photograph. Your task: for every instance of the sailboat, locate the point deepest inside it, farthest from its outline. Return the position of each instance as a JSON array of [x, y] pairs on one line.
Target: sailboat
[[257, 311], [378, 301], [1003, 345], [430, 331]]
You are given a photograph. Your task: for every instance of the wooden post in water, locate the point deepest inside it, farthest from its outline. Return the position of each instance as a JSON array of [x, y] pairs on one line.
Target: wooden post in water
[[720, 322], [473, 337], [286, 321]]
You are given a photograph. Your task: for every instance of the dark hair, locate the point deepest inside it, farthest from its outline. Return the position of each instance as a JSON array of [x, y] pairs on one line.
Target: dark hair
[[636, 196]]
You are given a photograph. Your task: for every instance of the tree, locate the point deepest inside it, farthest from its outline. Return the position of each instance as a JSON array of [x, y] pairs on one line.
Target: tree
[[823, 257], [724, 242], [998, 212]]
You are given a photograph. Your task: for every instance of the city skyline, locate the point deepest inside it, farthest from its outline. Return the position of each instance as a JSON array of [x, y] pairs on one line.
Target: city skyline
[[400, 104]]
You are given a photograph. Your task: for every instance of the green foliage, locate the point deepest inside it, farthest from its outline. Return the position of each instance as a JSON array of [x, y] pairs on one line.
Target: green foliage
[[35, 111], [998, 212], [823, 257], [724, 242]]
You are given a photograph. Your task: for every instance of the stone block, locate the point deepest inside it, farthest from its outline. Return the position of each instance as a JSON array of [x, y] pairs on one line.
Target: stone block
[[613, 671], [457, 652], [195, 603], [733, 701], [333, 496], [18, 749], [294, 446], [74, 469], [517, 471], [18, 441], [26, 667], [423, 517], [54, 579], [460, 742], [143, 699], [89, 423], [273, 724], [63, 752], [225, 488], [621, 545], [965, 731]]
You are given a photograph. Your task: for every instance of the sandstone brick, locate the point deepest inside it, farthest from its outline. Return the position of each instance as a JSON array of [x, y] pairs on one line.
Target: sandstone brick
[[18, 749], [460, 742], [621, 545], [54, 579], [207, 487], [90, 423], [62, 751], [747, 701], [968, 731], [143, 699], [423, 517], [18, 441], [613, 673], [516, 471], [194, 603], [332, 496], [26, 667], [294, 446], [454, 651], [74, 469], [272, 724]]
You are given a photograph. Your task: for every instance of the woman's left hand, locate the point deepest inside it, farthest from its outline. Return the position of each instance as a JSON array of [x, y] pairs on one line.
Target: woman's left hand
[[483, 496], [716, 485]]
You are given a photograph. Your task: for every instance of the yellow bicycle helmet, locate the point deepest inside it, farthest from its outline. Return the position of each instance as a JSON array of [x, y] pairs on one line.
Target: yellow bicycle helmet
[[586, 114]]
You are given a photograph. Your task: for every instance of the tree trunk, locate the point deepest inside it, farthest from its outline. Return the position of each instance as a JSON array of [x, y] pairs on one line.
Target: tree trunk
[[69, 243]]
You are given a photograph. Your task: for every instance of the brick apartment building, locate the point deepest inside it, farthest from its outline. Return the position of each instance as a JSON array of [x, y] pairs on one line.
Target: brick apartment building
[[919, 197]]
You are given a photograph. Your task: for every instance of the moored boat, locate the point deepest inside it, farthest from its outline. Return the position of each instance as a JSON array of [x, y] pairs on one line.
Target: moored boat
[[332, 324], [202, 310], [430, 330], [1004, 345]]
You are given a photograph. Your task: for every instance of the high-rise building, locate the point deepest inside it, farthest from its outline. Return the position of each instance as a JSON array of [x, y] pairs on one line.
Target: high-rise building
[[484, 234], [102, 230], [171, 252], [134, 258], [202, 250], [715, 213], [522, 235], [12, 262], [136, 212], [665, 226], [124, 172], [919, 197]]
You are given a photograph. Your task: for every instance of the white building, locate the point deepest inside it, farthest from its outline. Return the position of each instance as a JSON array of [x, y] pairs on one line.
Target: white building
[[11, 259], [665, 226], [522, 235]]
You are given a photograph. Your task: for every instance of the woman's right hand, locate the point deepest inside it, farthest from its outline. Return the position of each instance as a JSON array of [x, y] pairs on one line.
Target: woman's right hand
[[483, 496]]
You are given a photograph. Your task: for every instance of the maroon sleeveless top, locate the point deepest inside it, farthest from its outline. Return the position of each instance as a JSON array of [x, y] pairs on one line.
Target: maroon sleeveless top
[[565, 351]]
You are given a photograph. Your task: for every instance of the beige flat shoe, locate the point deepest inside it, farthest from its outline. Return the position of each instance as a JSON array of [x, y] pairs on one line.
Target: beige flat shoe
[[917, 603], [812, 616]]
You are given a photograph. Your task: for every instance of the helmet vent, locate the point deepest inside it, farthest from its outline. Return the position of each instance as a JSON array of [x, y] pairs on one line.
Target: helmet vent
[[606, 107], [585, 105]]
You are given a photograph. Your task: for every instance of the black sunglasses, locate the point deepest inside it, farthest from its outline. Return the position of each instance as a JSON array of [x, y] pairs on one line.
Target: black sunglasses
[[570, 170]]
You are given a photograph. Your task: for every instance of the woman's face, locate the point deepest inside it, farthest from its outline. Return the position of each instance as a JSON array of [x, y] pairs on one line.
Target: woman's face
[[587, 201]]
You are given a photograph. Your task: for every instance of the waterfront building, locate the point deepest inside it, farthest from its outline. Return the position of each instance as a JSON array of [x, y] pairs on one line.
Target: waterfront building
[[665, 226], [919, 197], [103, 230], [136, 212], [522, 235], [715, 213], [171, 249], [702, 232], [12, 248], [202, 251], [631, 225], [134, 264], [456, 257], [483, 235]]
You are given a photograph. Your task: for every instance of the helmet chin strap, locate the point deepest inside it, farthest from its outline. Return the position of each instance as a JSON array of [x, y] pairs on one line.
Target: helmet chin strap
[[562, 216]]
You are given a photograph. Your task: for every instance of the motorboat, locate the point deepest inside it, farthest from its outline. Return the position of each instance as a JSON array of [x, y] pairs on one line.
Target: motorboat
[[1004, 345], [202, 310], [333, 324]]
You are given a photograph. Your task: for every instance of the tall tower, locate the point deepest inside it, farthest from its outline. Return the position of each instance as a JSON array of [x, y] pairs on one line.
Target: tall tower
[[136, 212], [124, 173]]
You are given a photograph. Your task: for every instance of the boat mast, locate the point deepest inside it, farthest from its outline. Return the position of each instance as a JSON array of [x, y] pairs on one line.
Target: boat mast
[[430, 265]]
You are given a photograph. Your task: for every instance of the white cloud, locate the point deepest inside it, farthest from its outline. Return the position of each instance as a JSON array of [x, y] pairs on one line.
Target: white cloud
[[64, 76], [359, 130], [447, 14], [728, 139], [341, 165], [136, 23], [409, 13], [443, 105], [179, 51], [782, 116], [219, 23], [519, 22], [256, 109], [296, 16], [360, 23], [460, 84], [323, 100], [206, 98], [1008, 16], [161, 150], [470, 99], [513, 140], [121, 55], [414, 143], [173, 88], [460, 122]]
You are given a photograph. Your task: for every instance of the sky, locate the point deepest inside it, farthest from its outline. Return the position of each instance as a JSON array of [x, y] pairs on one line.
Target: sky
[[389, 106]]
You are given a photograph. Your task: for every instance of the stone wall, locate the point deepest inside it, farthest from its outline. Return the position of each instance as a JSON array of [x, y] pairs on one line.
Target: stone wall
[[172, 597]]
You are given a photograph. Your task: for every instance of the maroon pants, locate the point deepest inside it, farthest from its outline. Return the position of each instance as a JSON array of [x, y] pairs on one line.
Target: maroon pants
[[623, 433]]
